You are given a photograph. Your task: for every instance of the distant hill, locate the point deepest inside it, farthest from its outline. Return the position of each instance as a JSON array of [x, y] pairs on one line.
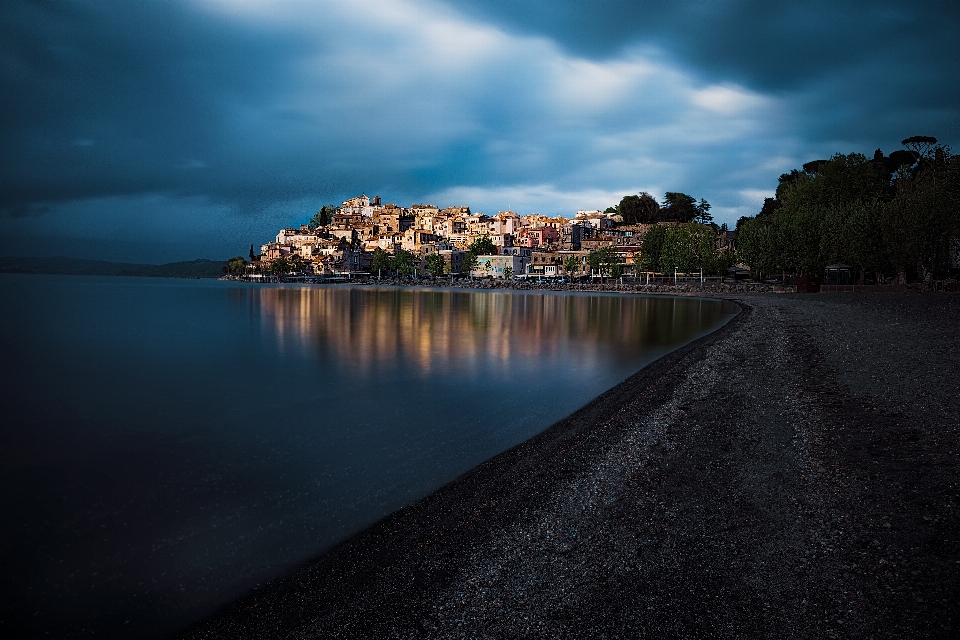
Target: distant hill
[[78, 267]]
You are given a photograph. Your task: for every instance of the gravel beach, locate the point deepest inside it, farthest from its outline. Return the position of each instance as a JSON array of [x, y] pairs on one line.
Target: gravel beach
[[793, 474]]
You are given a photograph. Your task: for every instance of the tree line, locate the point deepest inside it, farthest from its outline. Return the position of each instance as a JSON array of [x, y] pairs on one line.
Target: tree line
[[893, 215], [676, 207]]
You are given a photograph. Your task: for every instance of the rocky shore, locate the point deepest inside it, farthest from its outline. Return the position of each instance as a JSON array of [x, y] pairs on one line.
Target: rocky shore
[[626, 285], [793, 474]]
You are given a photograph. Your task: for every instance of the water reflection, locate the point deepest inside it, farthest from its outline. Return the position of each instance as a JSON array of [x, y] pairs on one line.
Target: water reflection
[[452, 332]]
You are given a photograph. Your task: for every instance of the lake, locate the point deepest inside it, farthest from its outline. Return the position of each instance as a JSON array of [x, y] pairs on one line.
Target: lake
[[169, 444]]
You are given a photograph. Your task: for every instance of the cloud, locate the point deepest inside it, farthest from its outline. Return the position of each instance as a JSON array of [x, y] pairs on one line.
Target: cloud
[[527, 198], [28, 211], [243, 112]]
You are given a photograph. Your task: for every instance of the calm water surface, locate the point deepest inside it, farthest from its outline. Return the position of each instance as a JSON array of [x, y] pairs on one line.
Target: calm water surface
[[168, 444]]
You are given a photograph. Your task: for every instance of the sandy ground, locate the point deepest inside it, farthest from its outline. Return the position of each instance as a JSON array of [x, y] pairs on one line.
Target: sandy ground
[[794, 474]]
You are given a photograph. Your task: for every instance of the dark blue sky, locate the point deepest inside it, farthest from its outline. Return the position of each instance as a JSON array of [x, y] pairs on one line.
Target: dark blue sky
[[166, 130]]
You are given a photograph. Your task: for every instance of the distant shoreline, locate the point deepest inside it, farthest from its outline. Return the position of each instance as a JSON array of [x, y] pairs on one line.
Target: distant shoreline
[[200, 268]]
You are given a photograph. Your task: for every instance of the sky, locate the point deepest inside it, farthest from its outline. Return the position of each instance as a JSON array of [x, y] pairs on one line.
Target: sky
[[165, 130]]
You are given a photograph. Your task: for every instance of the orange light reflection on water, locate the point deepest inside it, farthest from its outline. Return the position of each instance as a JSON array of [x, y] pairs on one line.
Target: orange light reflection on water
[[452, 329]]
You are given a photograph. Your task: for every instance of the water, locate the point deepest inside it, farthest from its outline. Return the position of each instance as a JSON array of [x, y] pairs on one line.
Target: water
[[168, 444]]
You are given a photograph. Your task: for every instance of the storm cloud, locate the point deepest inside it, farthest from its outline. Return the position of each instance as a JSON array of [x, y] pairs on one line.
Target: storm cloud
[[178, 129]]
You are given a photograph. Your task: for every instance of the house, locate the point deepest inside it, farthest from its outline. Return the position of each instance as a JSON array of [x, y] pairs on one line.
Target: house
[[502, 240], [360, 206], [537, 236], [453, 259], [414, 239], [505, 222], [478, 224], [545, 263], [497, 266], [580, 256]]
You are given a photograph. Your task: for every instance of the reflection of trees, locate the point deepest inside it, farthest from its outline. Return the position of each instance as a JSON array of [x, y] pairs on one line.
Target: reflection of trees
[[452, 329]]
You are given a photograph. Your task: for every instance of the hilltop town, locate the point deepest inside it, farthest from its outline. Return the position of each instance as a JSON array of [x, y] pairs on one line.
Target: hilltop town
[[850, 220], [366, 236]]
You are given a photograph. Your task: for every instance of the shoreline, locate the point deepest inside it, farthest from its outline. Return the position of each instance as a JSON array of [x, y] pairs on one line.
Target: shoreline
[[713, 492], [681, 288]]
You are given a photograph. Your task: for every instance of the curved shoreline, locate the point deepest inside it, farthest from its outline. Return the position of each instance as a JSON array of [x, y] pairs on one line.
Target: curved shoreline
[[740, 486]]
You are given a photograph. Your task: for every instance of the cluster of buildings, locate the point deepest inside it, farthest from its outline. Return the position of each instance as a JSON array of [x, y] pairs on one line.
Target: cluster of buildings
[[532, 244]]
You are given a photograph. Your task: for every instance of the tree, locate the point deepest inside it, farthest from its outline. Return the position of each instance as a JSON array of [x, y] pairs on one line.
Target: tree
[[677, 252], [770, 206], [508, 272], [920, 145], [678, 206], [322, 217], [571, 264], [703, 245], [651, 248], [639, 209], [380, 261], [920, 220], [280, 266], [703, 212], [252, 256], [483, 246], [616, 270], [296, 263], [594, 261], [813, 166], [602, 259], [754, 242], [469, 262], [236, 266], [402, 262], [435, 264], [897, 212]]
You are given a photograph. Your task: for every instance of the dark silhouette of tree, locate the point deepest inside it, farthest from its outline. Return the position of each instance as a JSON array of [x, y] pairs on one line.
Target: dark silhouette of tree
[[639, 209], [883, 214], [678, 206], [703, 212], [901, 158], [770, 205], [629, 209], [919, 144], [813, 166], [323, 217]]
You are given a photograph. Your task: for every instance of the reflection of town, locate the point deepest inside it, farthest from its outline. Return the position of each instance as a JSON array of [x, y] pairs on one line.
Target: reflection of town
[[430, 328]]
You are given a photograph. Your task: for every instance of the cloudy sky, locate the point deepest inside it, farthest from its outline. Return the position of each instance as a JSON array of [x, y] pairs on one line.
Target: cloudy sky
[[163, 130]]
